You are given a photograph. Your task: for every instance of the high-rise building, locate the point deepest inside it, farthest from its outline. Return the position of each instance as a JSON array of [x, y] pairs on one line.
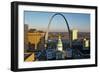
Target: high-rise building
[[60, 45], [35, 37], [74, 34], [25, 37], [25, 32], [86, 43]]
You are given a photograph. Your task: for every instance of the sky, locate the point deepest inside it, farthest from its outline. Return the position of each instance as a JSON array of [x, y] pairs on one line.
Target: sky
[[40, 21]]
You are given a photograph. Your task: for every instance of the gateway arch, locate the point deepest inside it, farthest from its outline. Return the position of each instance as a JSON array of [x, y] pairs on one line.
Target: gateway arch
[[67, 25]]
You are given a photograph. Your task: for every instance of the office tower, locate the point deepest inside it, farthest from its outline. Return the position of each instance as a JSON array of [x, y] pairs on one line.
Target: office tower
[[60, 45], [35, 37], [25, 37], [86, 43], [74, 34]]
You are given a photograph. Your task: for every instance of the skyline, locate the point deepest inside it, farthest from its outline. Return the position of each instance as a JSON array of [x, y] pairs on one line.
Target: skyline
[[40, 20]]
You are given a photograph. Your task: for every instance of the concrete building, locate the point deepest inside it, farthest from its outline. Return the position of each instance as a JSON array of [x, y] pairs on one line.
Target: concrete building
[[74, 34], [35, 37], [25, 37], [86, 43]]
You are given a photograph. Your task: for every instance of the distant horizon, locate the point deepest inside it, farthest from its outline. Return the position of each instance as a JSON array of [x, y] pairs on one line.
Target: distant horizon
[[40, 20], [57, 31]]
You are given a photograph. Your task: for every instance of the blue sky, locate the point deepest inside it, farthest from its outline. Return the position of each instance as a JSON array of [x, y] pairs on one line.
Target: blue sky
[[40, 20]]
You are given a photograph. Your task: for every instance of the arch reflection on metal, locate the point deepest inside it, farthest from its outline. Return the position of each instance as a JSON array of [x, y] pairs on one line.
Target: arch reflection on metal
[[69, 32]]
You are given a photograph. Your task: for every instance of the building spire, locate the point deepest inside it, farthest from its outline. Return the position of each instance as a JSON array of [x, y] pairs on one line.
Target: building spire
[[60, 45]]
